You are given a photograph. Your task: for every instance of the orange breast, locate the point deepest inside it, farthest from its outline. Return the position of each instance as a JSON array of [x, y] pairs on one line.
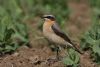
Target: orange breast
[[47, 26]]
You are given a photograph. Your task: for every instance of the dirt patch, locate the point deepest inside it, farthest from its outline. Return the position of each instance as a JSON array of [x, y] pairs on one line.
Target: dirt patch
[[26, 57]]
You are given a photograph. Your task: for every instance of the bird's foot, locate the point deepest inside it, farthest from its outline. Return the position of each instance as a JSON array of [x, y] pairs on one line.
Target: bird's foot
[[58, 58], [51, 61]]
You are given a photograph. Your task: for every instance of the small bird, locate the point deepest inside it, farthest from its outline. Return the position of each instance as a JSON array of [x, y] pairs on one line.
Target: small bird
[[53, 33]]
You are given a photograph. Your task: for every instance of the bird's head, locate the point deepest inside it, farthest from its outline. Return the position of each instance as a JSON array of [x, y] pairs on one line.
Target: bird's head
[[49, 18]]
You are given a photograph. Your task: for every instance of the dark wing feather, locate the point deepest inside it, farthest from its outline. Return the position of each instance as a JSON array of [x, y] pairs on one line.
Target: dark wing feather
[[58, 32]]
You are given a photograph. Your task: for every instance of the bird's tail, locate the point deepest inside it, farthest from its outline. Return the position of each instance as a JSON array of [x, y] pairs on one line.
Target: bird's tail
[[76, 49], [72, 45]]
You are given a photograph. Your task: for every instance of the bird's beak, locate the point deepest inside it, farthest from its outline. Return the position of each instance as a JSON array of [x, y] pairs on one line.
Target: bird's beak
[[44, 17]]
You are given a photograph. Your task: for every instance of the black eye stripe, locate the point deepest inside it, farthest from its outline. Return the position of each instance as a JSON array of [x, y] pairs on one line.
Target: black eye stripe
[[50, 17]]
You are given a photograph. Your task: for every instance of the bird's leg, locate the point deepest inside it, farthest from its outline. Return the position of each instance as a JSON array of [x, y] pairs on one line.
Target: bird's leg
[[57, 55], [57, 58]]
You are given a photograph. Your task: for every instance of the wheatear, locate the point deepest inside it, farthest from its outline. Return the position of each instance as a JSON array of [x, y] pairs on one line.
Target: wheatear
[[54, 34]]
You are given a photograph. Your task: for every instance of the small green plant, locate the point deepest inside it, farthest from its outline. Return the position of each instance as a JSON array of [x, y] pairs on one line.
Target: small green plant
[[12, 32], [91, 39], [72, 59]]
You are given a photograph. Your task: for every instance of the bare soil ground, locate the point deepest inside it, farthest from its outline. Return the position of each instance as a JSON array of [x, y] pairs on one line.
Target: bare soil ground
[[40, 53]]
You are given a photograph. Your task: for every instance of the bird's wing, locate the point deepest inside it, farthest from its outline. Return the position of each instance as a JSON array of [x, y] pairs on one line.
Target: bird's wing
[[58, 32]]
